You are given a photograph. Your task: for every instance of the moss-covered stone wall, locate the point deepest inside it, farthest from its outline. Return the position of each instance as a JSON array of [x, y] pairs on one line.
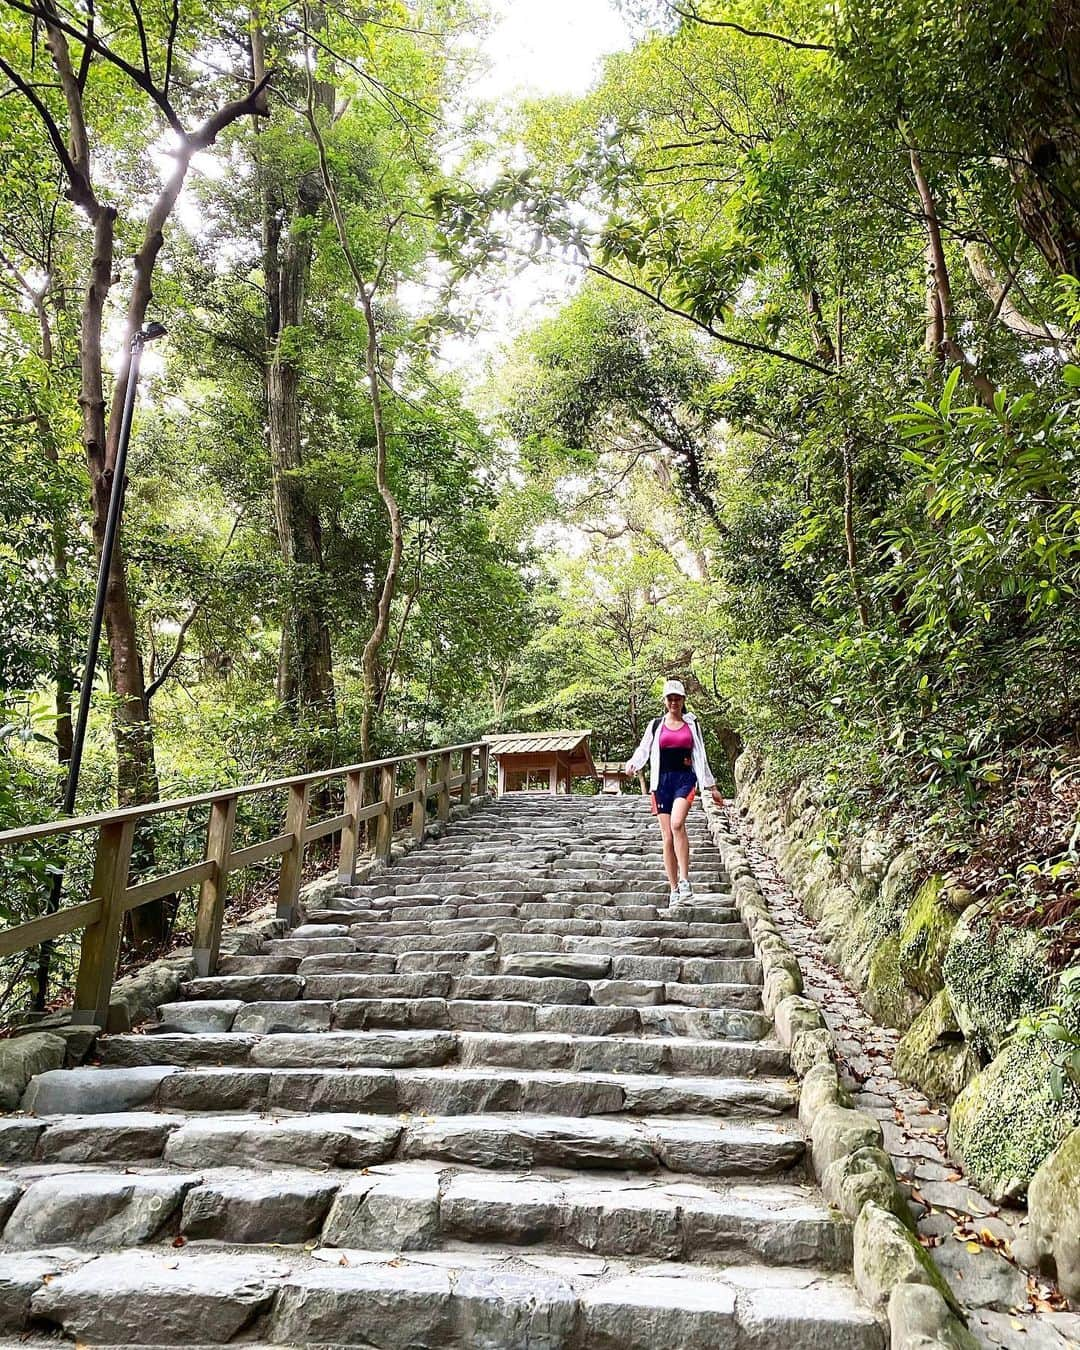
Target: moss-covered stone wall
[[930, 961]]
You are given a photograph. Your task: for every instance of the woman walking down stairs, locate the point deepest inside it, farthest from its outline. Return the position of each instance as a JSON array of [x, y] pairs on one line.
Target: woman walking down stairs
[[502, 1096]]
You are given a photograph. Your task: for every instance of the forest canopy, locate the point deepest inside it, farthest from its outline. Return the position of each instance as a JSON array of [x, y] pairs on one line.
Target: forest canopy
[[803, 431]]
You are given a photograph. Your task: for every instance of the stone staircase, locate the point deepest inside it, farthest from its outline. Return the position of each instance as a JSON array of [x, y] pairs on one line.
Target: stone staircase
[[502, 1096]]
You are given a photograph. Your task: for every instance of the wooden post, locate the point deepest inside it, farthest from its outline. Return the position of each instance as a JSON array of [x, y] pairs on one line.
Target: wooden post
[[211, 911], [350, 835], [553, 777], [500, 786], [384, 833], [101, 941], [292, 860], [419, 811], [466, 769], [485, 769], [444, 788]]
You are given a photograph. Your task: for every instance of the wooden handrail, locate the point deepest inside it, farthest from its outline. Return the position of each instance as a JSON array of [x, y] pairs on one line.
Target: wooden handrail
[[76, 823], [101, 917]]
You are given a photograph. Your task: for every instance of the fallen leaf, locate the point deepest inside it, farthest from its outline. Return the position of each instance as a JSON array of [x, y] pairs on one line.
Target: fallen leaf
[[179, 1240]]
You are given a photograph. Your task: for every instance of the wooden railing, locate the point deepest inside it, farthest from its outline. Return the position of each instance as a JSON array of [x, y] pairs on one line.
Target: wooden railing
[[102, 916]]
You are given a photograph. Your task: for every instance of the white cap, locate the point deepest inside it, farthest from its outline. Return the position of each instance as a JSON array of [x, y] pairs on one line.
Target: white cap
[[674, 687]]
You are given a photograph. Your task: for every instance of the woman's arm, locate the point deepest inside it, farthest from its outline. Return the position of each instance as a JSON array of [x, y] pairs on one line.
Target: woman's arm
[[706, 779], [638, 759]]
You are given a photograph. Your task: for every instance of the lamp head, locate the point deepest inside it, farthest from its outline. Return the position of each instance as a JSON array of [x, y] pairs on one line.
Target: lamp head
[[150, 332]]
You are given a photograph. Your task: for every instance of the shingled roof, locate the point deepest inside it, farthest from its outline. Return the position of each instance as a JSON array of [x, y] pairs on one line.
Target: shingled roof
[[536, 742]]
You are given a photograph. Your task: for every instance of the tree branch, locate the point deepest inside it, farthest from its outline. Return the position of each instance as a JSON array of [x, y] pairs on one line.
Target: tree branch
[[44, 12], [743, 343], [694, 17], [79, 185]]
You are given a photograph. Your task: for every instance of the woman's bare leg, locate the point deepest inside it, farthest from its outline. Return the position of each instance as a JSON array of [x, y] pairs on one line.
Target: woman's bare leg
[[670, 865], [679, 838]]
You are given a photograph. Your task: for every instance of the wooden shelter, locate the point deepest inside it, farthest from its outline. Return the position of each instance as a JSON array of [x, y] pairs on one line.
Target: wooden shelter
[[613, 776], [541, 761]]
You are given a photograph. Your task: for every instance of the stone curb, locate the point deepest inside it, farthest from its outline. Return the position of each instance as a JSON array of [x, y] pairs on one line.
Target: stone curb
[[893, 1272]]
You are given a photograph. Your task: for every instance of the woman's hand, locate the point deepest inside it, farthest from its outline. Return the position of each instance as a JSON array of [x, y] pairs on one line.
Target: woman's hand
[[718, 799]]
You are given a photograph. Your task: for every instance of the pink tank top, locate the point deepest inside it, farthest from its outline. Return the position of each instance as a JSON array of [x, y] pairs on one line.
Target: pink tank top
[[683, 739]]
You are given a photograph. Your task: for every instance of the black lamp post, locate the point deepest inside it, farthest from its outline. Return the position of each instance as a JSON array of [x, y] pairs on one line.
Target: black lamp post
[[148, 333]]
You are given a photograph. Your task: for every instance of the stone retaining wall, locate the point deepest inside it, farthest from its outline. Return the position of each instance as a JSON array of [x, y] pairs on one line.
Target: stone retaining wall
[[932, 962]]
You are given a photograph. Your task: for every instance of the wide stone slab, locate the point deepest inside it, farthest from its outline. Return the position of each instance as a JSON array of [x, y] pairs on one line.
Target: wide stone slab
[[199, 1016], [638, 1313], [180, 1049], [106, 1137], [95, 1210], [347, 1049], [139, 1298], [296, 1141], [286, 1206], [247, 988], [569, 965], [272, 1018], [84, 1091]]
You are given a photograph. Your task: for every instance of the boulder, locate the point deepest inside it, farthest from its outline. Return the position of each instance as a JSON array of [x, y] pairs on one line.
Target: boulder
[[137, 998], [22, 1057], [810, 1049], [794, 1015], [924, 938], [920, 1318], [1051, 1241], [856, 1178], [933, 1055], [1006, 1121], [820, 1088], [889, 997], [994, 975], [887, 1256], [837, 1131]]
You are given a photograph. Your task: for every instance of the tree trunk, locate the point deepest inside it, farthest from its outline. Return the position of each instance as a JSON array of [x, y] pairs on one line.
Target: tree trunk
[[306, 670], [1044, 140]]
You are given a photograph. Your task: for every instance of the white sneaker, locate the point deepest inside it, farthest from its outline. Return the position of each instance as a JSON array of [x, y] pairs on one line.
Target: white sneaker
[[686, 891], [673, 898]]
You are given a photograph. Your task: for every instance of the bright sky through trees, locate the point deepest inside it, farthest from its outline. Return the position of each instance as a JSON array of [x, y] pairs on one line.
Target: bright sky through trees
[[546, 49], [549, 48]]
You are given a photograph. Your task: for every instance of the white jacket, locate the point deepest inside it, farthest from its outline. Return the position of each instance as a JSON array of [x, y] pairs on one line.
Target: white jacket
[[649, 749]]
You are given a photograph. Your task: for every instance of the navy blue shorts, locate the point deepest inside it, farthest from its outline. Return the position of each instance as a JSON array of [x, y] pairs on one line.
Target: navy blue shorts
[[679, 783]]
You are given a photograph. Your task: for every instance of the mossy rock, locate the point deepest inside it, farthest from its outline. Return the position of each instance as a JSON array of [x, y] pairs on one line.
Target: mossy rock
[[933, 1055], [887, 1255], [994, 975], [1006, 1121], [889, 997], [1052, 1238], [924, 938]]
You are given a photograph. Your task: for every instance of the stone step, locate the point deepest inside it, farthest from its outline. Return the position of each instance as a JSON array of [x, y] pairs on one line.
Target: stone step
[[385, 1049], [320, 1015], [459, 1300], [422, 1206], [498, 1140], [360, 929], [566, 964], [285, 1073], [516, 988]]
